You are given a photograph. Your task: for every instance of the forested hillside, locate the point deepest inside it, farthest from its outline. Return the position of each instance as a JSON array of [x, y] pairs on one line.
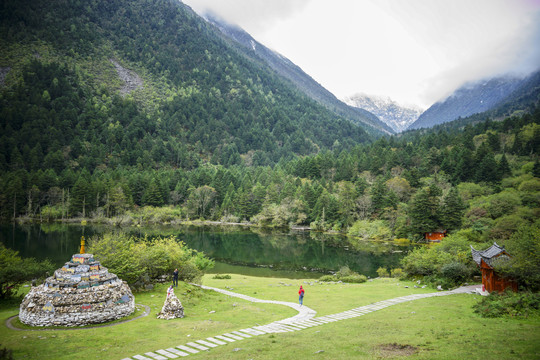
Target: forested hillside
[[290, 71], [199, 101]]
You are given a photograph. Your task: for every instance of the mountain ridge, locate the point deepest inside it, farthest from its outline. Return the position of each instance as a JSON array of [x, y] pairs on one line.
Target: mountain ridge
[[493, 96], [397, 116], [286, 68]]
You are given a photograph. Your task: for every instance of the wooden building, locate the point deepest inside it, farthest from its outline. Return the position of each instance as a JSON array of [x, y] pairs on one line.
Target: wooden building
[[435, 236], [486, 260]]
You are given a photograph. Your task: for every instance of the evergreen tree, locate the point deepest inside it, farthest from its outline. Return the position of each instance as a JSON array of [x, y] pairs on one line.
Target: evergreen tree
[[503, 167], [465, 169], [153, 194], [487, 170], [453, 210], [424, 212], [81, 196], [378, 195]]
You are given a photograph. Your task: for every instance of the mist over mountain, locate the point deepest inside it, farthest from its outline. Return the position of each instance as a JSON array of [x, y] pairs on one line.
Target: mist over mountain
[[397, 116], [495, 96], [287, 69]]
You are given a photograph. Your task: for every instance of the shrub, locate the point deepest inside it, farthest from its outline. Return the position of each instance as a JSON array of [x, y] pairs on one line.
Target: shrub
[[503, 203], [370, 230], [327, 278], [382, 272], [344, 271], [14, 271], [131, 258], [356, 278], [221, 277], [508, 304], [51, 212], [346, 275], [425, 261], [455, 272], [397, 273]]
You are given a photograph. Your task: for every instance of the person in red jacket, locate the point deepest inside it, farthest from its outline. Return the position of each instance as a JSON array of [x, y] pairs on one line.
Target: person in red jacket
[[301, 295]]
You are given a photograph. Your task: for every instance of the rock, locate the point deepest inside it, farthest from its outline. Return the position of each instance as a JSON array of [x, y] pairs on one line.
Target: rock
[[211, 312], [318, 352], [172, 308], [149, 287], [439, 287], [237, 349]]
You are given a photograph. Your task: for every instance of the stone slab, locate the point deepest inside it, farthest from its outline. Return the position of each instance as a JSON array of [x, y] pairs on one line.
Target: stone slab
[[241, 334], [188, 349], [219, 342], [224, 338], [177, 352], [167, 354], [140, 357], [253, 331], [206, 343], [155, 356], [197, 346], [232, 336]]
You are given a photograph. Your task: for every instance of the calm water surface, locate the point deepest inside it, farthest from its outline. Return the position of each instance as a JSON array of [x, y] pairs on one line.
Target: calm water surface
[[235, 249]]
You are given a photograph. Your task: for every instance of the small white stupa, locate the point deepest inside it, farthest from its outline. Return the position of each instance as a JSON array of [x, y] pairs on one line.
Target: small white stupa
[[172, 308]]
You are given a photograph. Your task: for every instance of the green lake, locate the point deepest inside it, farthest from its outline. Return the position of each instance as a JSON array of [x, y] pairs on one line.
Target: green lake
[[236, 250]]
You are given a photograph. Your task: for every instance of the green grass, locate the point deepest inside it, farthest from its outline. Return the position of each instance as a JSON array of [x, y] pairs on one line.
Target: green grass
[[434, 328], [325, 298], [144, 334]]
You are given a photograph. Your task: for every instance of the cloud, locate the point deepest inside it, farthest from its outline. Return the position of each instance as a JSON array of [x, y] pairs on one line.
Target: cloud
[[252, 15], [415, 51]]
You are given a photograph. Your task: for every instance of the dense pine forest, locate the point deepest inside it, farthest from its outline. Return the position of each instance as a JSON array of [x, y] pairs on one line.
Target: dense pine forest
[[211, 135]]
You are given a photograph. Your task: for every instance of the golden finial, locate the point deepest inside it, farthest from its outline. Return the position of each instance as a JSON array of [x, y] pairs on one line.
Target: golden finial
[[82, 245]]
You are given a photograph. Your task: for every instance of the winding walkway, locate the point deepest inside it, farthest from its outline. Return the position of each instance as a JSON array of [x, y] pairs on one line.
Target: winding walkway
[[304, 319]]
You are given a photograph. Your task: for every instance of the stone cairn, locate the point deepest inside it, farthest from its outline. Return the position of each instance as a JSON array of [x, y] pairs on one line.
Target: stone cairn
[[172, 308], [81, 292]]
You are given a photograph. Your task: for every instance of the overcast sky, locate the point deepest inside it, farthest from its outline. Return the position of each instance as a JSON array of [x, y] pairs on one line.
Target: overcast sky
[[415, 51]]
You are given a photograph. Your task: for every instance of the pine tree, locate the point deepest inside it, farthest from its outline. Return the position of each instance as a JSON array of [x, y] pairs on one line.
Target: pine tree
[[81, 196], [503, 167], [153, 195], [424, 211], [487, 170], [453, 210]]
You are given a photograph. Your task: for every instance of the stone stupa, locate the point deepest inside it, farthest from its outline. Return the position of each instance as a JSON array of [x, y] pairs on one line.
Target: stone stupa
[[82, 292], [172, 308]]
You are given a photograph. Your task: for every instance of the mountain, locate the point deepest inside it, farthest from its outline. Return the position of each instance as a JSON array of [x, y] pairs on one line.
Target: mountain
[[396, 116], [146, 83], [287, 69], [490, 96]]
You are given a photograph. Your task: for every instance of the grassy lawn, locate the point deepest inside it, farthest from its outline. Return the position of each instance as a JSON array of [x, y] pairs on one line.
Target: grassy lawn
[[434, 328]]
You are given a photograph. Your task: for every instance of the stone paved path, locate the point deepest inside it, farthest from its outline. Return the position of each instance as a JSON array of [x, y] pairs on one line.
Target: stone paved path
[[304, 319]]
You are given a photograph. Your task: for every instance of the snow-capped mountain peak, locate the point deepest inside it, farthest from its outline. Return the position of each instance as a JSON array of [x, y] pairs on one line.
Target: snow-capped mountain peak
[[395, 115]]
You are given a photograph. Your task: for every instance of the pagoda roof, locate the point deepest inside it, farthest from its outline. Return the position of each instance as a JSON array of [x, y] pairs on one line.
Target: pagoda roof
[[490, 254]]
